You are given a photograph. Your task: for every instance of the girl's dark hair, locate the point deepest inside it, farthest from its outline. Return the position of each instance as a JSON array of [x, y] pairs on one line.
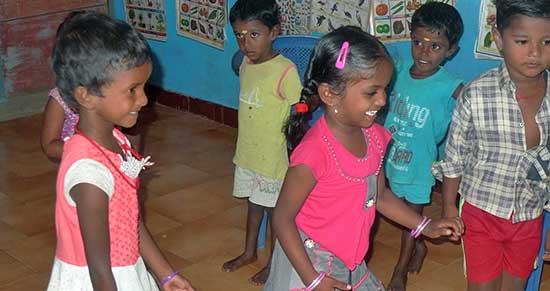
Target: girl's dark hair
[[441, 16], [265, 11], [364, 53], [89, 48], [508, 9]]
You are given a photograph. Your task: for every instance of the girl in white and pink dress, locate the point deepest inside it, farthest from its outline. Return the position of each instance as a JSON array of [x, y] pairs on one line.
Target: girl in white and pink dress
[[101, 66]]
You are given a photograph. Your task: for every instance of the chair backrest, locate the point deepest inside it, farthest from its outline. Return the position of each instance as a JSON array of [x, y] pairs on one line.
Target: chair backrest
[[297, 48]]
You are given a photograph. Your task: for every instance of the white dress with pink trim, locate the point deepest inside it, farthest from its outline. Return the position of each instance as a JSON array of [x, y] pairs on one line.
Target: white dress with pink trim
[[84, 161]]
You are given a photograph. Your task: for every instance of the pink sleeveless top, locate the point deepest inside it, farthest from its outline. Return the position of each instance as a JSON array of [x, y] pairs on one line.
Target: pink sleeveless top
[[123, 207], [71, 117]]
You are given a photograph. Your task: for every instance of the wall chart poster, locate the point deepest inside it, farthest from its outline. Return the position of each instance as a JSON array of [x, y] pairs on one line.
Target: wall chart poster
[[148, 17], [295, 16], [390, 19], [202, 20], [327, 15], [485, 44]]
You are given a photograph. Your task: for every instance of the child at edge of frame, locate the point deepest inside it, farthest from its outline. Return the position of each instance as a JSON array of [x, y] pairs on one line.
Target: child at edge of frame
[[497, 152]]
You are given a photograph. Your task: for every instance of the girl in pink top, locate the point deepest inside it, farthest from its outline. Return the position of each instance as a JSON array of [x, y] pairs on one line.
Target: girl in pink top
[[59, 123], [335, 182], [101, 66]]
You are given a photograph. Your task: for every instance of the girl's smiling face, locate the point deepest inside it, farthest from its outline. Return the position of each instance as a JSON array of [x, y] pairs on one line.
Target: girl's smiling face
[[124, 96]]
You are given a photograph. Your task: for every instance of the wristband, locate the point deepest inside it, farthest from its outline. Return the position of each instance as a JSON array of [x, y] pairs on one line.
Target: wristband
[[316, 281], [169, 277], [416, 232]]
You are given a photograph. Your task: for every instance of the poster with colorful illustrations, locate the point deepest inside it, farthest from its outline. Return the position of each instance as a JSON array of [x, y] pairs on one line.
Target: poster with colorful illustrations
[[327, 15], [202, 20], [148, 17], [295, 16], [390, 19], [485, 44]]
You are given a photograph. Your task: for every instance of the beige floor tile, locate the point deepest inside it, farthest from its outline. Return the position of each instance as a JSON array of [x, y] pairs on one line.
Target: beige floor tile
[[190, 204], [160, 179], [157, 223], [200, 240], [11, 269], [31, 218], [36, 252], [29, 281]]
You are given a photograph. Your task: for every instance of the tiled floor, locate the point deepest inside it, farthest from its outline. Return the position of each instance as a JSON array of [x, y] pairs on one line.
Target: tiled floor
[[189, 210]]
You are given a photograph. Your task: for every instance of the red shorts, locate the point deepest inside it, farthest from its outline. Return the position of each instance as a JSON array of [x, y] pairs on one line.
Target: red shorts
[[493, 244]]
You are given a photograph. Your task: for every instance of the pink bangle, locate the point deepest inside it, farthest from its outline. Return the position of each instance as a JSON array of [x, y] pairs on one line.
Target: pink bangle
[[419, 232], [316, 281], [169, 277], [416, 232]]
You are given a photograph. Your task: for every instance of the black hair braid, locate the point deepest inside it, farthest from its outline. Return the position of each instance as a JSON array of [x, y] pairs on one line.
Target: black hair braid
[[298, 122]]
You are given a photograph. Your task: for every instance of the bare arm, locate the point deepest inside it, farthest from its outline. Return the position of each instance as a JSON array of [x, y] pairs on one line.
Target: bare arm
[[92, 205], [395, 209], [450, 191], [52, 126], [156, 261], [298, 184]]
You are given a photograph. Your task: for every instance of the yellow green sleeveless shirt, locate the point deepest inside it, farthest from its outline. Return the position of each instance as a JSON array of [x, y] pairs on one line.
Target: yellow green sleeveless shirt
[[267, 92]]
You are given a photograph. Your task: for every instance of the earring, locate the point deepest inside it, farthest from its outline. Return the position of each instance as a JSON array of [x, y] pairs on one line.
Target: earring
[[335, 110]]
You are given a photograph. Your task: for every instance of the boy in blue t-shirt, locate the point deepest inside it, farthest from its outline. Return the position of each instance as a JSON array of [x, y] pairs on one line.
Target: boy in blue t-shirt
[[420, 111]]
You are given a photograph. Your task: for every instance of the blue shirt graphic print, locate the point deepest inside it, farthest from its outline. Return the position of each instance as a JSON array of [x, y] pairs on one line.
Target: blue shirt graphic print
[[418, 118]]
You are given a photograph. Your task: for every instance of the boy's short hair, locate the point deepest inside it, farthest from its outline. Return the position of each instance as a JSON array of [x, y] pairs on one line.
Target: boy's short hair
[[438, 15], [507, 9], [90, 47], [265, 11]]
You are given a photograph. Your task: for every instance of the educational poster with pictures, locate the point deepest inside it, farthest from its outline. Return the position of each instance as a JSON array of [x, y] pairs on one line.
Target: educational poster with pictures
[[202, 20], [148, 17], [295, 16], [327, 15], [390, 19], [485, 44]]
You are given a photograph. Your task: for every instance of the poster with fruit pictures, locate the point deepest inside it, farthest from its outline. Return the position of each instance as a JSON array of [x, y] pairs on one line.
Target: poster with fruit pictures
[[390, 19], [327, 15], [485, 47], [148, 17], [202, 20]]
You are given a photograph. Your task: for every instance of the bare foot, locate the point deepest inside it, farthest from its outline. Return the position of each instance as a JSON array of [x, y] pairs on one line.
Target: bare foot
[[261, 277], [398, 281], [418, 256], [238, 262]]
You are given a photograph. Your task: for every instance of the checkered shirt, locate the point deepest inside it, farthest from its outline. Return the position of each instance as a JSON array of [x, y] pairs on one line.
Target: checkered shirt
[[486, 147]]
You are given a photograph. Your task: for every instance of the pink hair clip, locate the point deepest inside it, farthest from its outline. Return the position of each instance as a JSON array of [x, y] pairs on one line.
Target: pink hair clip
[[341, 60]]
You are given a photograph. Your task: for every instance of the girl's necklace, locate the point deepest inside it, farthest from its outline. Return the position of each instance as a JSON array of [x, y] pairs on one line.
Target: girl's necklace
[[125, 148], [368, 137]]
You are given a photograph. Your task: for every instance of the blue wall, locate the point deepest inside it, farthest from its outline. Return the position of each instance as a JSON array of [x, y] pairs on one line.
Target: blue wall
[[191, 68]]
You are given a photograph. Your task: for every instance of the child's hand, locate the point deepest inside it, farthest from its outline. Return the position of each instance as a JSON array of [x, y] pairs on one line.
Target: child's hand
[[451, 227], [329, 284], [178, 283], [546, 254]]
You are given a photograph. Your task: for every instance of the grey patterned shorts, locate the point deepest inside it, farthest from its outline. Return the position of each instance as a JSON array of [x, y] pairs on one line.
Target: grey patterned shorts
[[259, 189], [284, 277]]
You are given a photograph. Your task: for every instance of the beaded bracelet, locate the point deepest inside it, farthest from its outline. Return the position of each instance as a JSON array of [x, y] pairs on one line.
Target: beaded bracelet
[[169, 277], [416, 232], [316, 281]]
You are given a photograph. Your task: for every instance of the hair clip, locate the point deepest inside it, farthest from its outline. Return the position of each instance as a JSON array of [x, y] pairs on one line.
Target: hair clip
[[341, 60], [301, 107]]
